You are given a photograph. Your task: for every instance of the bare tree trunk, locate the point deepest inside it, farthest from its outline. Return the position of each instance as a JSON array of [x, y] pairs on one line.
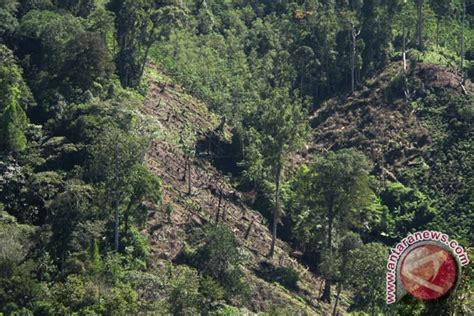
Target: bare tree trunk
[[327, 285], [437, 31], [219, 207], [116, 229], [404, 48], [185, 169], [247, 233], [419, 24], [147, 50], [277, 208], [127, 213], [334, 311], [354, 35], [462, 40], [223, 212], [189, 178]]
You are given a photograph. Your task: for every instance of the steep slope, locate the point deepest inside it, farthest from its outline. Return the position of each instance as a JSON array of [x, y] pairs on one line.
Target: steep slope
[[176, 116], [381, 118], [417, 129]]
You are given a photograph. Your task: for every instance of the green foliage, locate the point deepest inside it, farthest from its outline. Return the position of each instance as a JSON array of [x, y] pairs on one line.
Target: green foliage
[[184, 296], [68, 210], [74, 294], [87, 61], [336, 188], [279, 128], [77, 171], [409, 210], [212, 293], [8, 22], [77, 7], [18, 287], [366, 274], [116, 169], [445, 177], [12, 116], [329, 196], [139, 24], [218, 257], [287, 277]]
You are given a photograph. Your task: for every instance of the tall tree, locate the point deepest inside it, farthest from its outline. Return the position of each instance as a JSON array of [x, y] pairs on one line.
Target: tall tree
[[443, 10], [420, 20], [13, 119], [139, 24], [366, 274], [349, 242], [376, 23], [332, 193], [281, 127], [68, 209], [78, 7], [462, 50], [115, 157]]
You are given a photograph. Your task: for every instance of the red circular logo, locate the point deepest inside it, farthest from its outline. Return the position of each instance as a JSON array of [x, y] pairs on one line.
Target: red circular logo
[[428, 272]]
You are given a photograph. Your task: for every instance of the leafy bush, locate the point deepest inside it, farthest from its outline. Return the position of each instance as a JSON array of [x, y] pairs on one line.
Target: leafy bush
[[183, 292], [396, 87], [287, 277], [218, 257]]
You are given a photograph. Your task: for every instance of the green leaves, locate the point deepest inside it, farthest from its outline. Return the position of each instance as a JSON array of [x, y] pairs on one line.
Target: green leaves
[[366, 274], [13, 120], [218, 257], [409, 210], [140, 24], [328, 198], [279, 127]]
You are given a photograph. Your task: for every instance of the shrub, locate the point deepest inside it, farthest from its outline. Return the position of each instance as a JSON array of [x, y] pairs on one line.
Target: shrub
[[287, 277], [183, 296], [396, 87], [219, 258]]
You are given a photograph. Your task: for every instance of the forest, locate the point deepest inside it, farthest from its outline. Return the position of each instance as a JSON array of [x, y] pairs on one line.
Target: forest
[[219, 157]]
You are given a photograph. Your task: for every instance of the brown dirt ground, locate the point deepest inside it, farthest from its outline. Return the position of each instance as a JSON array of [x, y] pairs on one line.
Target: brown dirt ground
[[176, 111]]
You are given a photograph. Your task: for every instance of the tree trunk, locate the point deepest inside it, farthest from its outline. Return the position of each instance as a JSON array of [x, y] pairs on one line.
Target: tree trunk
[[327, 285], [185, 170], [353, 51], [116, 229], [219, 207], [147, 50], [277, 208], [437, 31], [419, 24], [189, 177], [339, 288], [462, 40], [302, 80], [354, 35], [404, 48], [142, 68], [127, 215], [247, 233]]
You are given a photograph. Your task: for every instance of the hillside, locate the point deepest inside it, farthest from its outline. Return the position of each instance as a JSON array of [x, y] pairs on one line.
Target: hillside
[[379, 120], [215, 157], [417, 131], [177, 113]]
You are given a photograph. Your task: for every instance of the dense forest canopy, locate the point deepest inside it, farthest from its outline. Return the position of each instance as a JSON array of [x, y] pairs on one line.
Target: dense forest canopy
[[79, 196]]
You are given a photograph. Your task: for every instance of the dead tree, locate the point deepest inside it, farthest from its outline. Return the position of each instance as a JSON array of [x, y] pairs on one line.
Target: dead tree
[[220, 192], [354, 35], [189, 150], [249, 228]]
